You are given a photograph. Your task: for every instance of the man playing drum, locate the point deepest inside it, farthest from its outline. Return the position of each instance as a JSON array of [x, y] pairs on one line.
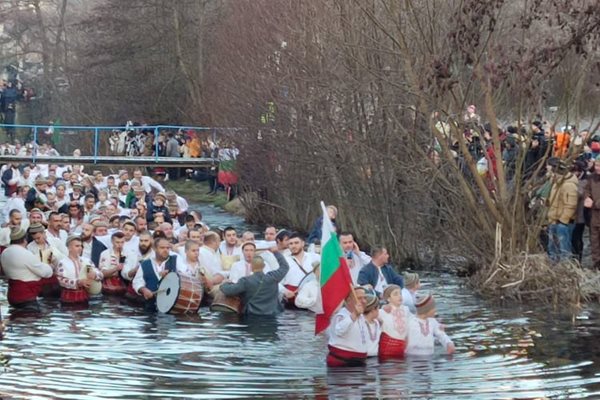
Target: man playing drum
[[152, 270]]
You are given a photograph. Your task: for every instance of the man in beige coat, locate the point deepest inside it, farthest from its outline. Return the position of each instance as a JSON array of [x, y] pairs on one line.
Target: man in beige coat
[[562, 205]]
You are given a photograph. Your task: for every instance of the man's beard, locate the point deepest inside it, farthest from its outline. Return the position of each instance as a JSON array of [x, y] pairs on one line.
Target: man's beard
[[85, 238], [144, 249]]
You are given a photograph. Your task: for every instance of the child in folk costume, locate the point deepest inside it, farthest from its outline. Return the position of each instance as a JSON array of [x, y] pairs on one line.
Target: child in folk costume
[[424, 329], [373, 325], [394, 319], [412, 283], [76, 274]]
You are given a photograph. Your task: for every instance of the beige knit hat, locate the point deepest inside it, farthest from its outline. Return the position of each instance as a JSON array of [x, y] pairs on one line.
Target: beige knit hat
[[425, 303]]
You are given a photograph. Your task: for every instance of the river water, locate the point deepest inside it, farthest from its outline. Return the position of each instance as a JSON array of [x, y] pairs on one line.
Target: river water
[[113, 350]]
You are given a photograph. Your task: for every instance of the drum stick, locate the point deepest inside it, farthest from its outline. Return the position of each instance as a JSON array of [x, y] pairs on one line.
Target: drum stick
[[159, 291]]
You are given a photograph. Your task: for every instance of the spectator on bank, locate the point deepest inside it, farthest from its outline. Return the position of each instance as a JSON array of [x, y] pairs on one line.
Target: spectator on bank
[[562, 206]]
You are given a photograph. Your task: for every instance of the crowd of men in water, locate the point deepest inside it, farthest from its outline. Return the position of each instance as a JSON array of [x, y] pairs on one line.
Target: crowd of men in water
[[76, 236]]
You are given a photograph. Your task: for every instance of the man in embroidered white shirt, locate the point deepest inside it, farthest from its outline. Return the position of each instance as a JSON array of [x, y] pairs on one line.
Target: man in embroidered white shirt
[[152, 270]]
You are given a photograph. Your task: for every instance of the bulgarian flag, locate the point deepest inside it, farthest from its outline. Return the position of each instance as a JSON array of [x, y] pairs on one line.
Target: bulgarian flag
[[335, 280]]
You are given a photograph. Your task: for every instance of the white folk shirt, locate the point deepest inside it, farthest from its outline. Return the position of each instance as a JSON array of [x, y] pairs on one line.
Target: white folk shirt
[[381, 282], [239, 270], [58, 242], [132, 245], [87, 250], [19, 264], [355, 263], [46, 253], [346, 334], [138, 280], [373, 333], [271, 263], [136, 259], [68, 272], [13, 203], [299, 268], [187, 267], [231, 251], [395, 323], [211, 261], [422, 335], [148, 183], [109, 260], [409, 300]]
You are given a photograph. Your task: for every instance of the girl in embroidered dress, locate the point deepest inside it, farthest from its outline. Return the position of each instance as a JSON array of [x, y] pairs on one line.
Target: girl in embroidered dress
[[394, 319], [424, 329], [373, 325]]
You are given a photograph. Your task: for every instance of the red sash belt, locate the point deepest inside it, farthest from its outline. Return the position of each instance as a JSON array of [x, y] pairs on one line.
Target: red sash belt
[[23, 292], [114, 285], [291, 302], [50, 287], [133, 296], [345, 358], [74, 296], [390, 347]]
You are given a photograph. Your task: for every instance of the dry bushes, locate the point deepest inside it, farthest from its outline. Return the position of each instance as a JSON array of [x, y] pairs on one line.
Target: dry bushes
[[530, 277]]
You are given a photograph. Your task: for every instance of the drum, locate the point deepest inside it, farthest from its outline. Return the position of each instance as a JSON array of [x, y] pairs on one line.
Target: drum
[[95, 286], [228, 261], [227, 304], [178, 294]]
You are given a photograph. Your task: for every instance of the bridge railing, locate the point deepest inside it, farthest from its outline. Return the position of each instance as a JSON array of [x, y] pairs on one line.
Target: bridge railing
[[94, 140]]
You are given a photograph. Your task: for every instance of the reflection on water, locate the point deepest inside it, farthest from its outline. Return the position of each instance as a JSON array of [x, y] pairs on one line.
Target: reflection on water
[[113, 350]]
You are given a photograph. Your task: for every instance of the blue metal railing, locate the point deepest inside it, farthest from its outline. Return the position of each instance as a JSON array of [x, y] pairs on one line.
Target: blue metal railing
[[98, 130]]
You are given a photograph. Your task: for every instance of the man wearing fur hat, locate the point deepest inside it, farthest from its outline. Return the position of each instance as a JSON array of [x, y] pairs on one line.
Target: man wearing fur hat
[[26, 274], [37, 193], [41, 248]]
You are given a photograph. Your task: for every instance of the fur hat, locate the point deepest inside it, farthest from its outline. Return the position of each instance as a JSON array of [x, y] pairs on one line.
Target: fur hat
[[17, 234], [36, 228], [388, 291], [71, 238], [425, 304]]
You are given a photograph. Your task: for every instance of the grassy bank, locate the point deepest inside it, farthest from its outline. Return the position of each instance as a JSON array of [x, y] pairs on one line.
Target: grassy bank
[[197, 192]]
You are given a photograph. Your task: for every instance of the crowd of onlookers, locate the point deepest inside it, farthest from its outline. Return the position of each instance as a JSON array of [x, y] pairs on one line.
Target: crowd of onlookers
[[557, 168]]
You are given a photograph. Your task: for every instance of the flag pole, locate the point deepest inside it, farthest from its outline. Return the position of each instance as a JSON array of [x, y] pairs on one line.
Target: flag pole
[[353, 293]]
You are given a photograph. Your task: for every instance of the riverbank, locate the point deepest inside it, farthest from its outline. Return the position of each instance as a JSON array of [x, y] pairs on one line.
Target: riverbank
[[199, 192]]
